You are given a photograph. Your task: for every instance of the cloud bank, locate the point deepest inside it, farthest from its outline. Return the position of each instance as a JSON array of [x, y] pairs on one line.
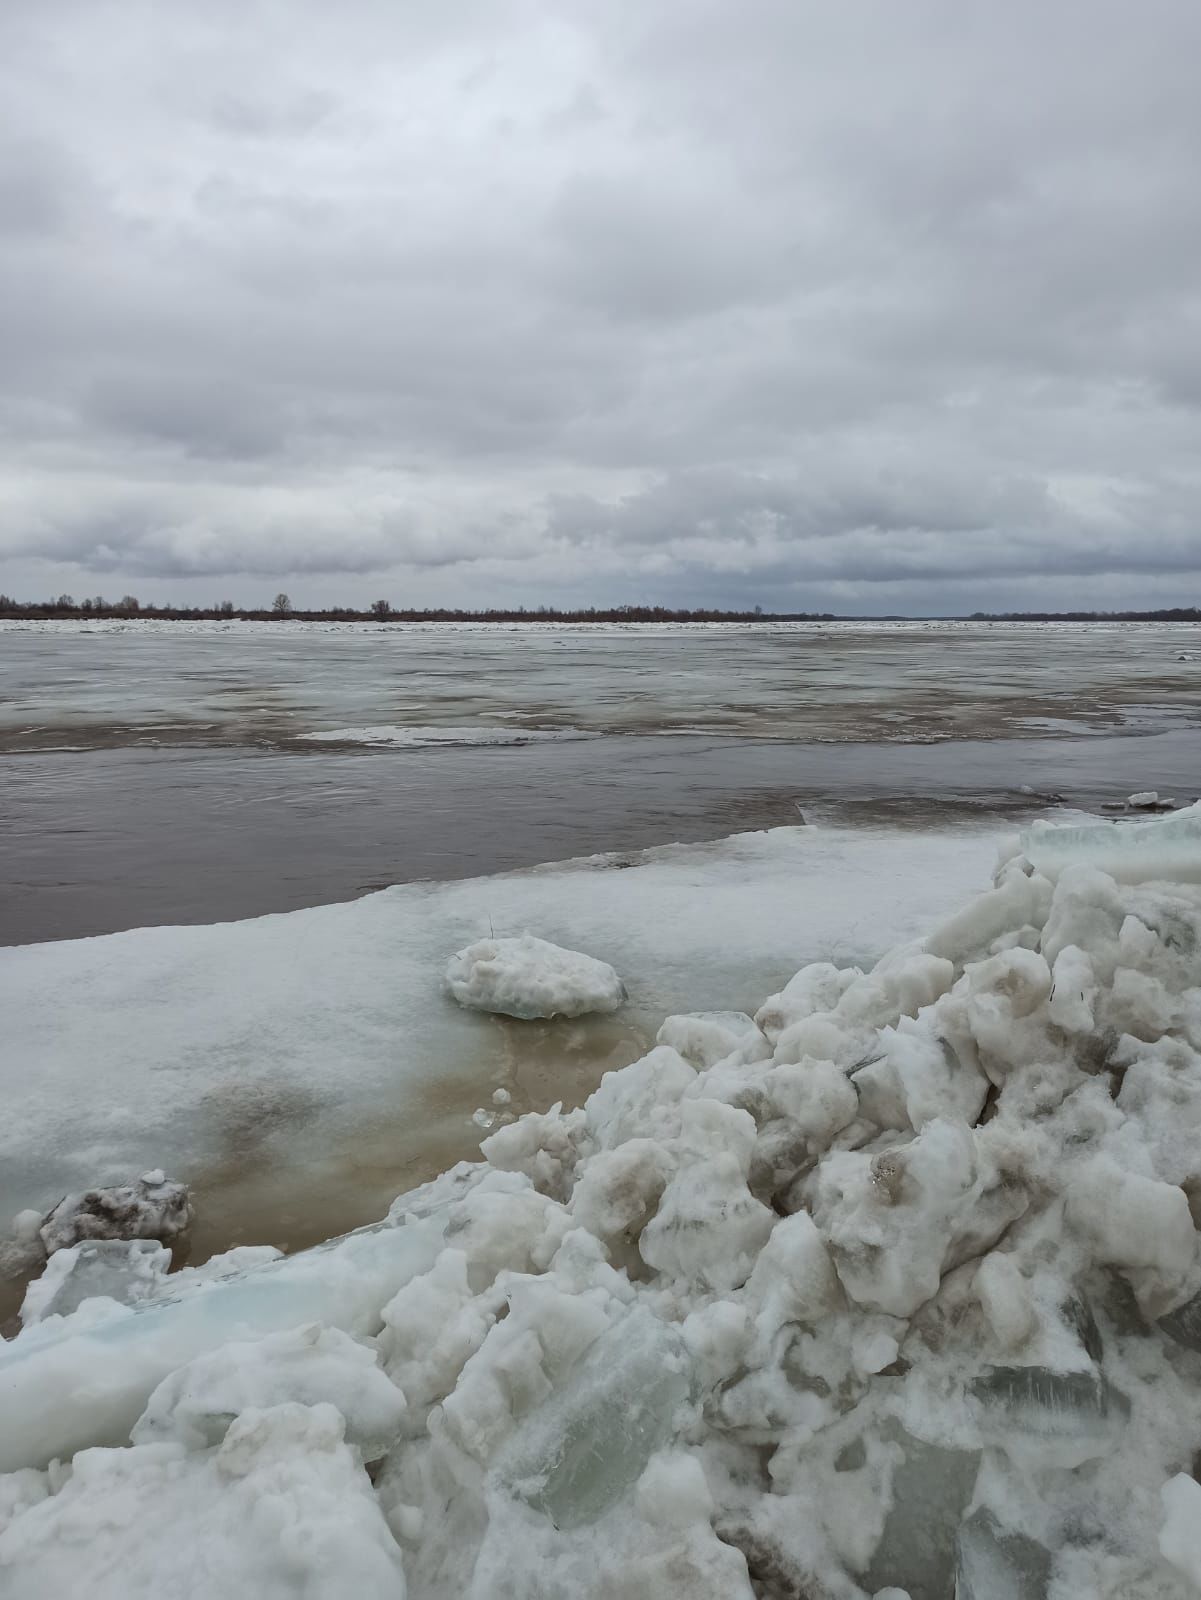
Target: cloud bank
[[865, 307]]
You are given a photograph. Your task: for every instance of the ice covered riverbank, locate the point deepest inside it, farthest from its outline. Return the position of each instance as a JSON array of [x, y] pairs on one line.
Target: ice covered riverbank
[[247, 1050], [894, 1290]]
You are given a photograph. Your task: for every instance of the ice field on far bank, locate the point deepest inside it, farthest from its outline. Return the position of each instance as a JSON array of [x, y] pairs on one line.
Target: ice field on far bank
[[893, 1290], [276, 1037]]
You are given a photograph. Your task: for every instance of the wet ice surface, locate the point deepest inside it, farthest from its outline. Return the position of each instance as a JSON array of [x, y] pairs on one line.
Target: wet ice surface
[[320, 1053], [67, 684]]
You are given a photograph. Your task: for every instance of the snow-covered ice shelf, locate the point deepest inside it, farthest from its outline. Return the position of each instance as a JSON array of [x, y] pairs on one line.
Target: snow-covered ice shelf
[[891, 1289]]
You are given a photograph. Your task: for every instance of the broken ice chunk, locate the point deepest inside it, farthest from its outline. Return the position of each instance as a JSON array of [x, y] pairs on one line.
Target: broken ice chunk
[[1132, 852], [1134, 1222], [281, 1509], [704, 1038], [931, 1488], [1073, 991], [1078, 1315], [1184, 1324], [309, 1365], [709, 1228], [995, 1563], [897, 1219], [1013, 904], [1144, 800], [1004, 1298], [1180, 1536], [590, 1441], [124, 1270], [1070, 1416], [148, 1208], [65, 1388], [530, 978], [815, 988]]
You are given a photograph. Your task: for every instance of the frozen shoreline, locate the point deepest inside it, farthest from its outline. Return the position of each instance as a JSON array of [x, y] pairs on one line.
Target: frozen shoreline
[[215, 625], [900, 1281], [159, 1045]]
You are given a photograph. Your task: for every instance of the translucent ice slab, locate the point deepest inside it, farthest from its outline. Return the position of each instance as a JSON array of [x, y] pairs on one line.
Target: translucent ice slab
[[63, 1387], [1160, 847], [590, 1442]]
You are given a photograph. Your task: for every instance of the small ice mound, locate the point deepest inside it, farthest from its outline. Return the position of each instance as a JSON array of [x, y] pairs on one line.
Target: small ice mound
[[149, 1208], [529, 978]]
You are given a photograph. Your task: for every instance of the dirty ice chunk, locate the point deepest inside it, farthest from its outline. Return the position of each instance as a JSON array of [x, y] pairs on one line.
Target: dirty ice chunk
[[1132, 852], [896, 1220], [148, 1208], [996, 1563], [124, 1270], [588, 1444], [1180, 1536], [529, 977]]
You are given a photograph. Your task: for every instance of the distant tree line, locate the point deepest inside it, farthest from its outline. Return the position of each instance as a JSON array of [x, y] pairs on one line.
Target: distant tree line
[[1167, 614], [281, 609]]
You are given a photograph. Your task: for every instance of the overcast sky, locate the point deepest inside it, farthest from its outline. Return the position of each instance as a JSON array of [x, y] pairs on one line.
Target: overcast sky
[[878, 306]]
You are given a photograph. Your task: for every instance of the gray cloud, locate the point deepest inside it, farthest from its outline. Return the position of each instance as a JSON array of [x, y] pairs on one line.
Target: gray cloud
[[871, 306]]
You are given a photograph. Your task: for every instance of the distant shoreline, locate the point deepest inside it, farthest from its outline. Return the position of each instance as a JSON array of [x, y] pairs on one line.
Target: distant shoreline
[[14, 611]]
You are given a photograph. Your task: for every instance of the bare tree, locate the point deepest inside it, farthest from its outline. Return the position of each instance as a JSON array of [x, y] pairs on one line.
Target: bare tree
[[226, 608], [282, 605], [381, 608]]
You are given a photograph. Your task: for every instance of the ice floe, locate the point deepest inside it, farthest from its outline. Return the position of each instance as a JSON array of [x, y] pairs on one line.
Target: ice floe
[[528, 977]]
